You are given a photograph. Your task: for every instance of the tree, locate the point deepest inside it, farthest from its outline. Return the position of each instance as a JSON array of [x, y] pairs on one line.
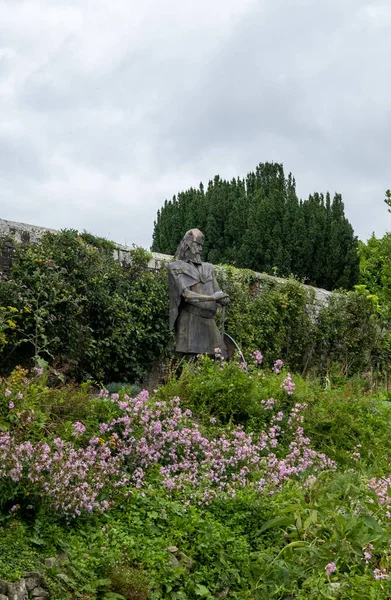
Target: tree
[[259, 223]]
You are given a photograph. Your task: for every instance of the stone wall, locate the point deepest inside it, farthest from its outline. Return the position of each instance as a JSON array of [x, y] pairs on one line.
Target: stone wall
[[11, 231]]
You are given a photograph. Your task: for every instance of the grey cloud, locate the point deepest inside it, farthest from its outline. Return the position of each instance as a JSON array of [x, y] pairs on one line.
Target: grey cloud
[[116, 120]]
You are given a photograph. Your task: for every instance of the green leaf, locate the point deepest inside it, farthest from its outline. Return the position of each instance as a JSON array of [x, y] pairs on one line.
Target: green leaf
[[201, 590], [37, 542], [275, 522], [313, 517], [372, 523]]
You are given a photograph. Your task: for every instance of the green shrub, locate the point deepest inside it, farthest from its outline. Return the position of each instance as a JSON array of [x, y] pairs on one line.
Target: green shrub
[[70, 297]]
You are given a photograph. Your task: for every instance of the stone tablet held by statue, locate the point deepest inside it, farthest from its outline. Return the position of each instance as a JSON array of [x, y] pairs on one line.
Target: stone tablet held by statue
[[194, 296]]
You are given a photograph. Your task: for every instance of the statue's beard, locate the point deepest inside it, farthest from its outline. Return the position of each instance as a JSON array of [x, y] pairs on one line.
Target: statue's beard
[[192, 257]]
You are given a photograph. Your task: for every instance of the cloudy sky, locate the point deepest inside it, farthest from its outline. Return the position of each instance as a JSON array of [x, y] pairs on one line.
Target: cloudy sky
[[108, 108]]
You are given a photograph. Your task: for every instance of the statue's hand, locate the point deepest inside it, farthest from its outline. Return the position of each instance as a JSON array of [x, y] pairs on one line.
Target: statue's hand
[[221, 297]]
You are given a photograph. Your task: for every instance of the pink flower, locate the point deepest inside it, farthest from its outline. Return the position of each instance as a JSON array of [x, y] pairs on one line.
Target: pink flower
[[380, 574], [19, 395], [7, 393], [288, 385], [330, 568], [78, 428], [367, 556], [277, 366], [257, 357], [11, 405]]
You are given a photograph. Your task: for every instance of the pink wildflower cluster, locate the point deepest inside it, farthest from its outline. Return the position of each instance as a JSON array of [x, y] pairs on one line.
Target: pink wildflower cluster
[[288, 385], [155, 437], [78, 429], [257, 356], [367, 557], [381, 486], [277, 366], [380, 574], [71, 479], [330, 568], [268, 404], [356, 455]]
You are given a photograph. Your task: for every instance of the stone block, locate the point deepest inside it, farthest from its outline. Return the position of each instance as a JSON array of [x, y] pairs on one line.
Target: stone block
[[17, 590]]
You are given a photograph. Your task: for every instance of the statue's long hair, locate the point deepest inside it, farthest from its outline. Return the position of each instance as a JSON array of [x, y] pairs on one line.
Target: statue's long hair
[[182, 252]]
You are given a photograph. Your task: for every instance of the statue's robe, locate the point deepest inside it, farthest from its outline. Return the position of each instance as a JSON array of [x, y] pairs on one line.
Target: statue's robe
[[194, 323]]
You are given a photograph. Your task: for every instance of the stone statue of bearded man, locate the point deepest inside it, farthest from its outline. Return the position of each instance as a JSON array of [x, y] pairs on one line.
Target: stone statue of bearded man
[[194, 296]]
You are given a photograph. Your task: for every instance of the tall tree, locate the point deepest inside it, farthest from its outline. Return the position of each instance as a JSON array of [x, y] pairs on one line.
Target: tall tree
[[259, 223]]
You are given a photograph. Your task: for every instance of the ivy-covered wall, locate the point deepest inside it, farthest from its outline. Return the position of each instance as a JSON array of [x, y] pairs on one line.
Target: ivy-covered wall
[[13, 233], [96, 309], [24, 234]]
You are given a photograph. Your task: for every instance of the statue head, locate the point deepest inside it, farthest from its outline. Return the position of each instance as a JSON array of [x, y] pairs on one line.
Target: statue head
[[190, 248]]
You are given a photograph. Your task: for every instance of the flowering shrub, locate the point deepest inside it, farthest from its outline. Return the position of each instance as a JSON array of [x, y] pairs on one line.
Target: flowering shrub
[[288, 385], [185, 506], [156, 438]]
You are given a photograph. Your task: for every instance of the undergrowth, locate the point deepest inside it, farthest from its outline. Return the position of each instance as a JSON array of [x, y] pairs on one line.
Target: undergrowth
[[320, 532]]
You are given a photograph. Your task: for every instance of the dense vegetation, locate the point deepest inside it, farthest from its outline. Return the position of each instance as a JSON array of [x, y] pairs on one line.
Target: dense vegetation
[[256, 484], [259, 223], [69, 303], [231, 480]]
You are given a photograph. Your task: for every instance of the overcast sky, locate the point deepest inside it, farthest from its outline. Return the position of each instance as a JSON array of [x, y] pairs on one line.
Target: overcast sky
[[108, 108]]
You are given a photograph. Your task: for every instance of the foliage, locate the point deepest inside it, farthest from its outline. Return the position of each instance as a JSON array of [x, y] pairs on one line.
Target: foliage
[[71, 304], [273, 316], [71, 298], [375, 271], [321, 533], [350, 333], [283, 319], [93, 466], [259, 223]]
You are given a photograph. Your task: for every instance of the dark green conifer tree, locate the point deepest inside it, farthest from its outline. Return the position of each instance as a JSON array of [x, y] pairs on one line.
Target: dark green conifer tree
[[259, 223]]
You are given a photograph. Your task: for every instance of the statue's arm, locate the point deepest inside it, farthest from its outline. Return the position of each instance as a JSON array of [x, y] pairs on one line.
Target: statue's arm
[[191, 296]]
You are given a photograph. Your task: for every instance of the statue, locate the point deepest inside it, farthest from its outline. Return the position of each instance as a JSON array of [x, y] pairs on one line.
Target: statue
[[194, 295]]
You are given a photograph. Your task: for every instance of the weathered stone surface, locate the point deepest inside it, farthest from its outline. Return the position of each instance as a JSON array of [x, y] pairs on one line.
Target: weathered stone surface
[[22, 232], [174, 562], [2, 597], [33, 580], [50, 562], [186, 561], [3, 587], [17, 590], [39, 593]]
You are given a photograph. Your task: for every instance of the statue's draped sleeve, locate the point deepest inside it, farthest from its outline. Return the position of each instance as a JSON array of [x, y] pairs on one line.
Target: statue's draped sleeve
[[179, 279]]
